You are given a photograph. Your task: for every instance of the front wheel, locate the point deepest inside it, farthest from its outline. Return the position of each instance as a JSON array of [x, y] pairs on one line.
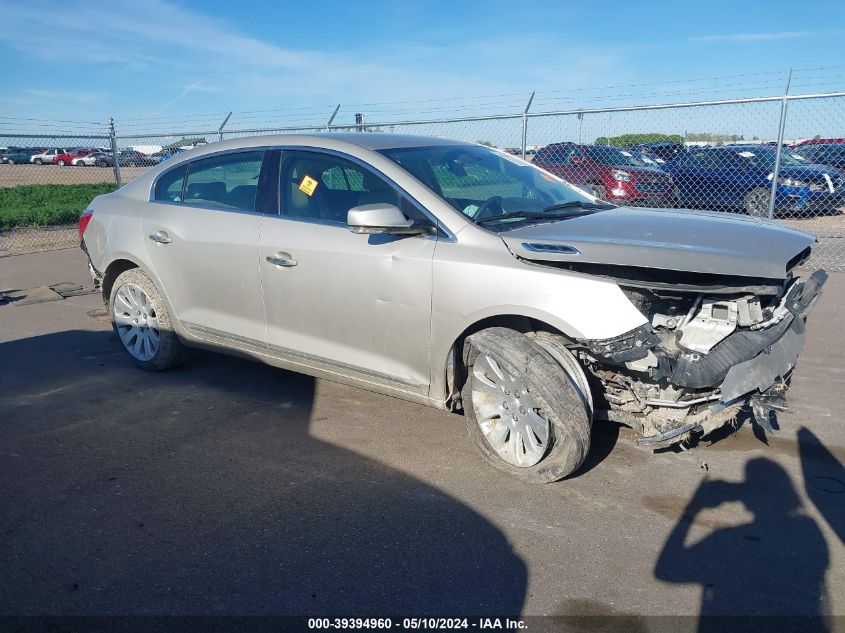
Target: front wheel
[[600, 192], [523, 410], [142, 322], [61, 163], [9, 161], [756, 202], [38, 161]]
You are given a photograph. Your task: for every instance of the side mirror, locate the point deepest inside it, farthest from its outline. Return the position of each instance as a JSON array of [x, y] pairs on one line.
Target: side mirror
[[381, 218]]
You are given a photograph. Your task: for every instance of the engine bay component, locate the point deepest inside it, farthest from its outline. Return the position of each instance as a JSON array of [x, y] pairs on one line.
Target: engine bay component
[[713, 322]]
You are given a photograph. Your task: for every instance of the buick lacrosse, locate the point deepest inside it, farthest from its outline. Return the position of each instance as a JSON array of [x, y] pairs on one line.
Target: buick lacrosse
[[457, 276]]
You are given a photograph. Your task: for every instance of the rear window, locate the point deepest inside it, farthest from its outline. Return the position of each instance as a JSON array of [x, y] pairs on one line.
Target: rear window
[[169, 185], [229, 181]]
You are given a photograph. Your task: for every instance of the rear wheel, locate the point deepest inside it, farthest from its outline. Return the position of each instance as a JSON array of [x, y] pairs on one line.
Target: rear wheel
[[38, 161], [10, 161], [142, 323], [523, 410], [61, 163], [102, 163], [756, 202]]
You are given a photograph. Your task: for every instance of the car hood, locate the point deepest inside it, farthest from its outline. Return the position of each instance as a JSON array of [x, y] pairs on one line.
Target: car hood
[[690, 241], [807, 172], [646, 173]]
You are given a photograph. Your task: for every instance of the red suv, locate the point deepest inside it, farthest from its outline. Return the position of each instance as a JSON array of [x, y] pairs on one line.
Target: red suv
[[615, 174]]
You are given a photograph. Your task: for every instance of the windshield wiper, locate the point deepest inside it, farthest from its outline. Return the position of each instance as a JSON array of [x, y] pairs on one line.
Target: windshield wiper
[[583, 208], [579, 204]]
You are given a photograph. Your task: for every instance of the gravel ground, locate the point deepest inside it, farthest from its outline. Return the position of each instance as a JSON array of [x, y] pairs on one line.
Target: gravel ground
[[228, 487], [13, 175]]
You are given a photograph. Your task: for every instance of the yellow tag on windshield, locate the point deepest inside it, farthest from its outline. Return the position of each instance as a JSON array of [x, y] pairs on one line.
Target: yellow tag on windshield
[[308, 185]]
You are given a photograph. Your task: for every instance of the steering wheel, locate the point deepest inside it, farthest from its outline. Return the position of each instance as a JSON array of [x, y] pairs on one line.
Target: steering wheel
[[486, 209]]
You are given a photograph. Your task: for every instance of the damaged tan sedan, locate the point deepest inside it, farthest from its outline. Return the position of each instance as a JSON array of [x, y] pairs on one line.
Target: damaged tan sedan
[[460, 277]]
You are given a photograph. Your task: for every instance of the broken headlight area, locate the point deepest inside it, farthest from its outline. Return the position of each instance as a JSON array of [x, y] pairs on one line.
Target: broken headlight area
[[702, 358]]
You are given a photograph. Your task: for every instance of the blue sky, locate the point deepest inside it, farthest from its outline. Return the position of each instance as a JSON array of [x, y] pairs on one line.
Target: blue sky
[[151, 62]]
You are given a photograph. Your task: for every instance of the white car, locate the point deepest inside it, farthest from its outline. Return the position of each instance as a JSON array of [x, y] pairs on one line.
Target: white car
[[46, 157], [460, 277]]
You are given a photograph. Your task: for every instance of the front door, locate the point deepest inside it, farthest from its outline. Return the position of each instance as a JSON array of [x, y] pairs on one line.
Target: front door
[[359, 303], [202, 239]]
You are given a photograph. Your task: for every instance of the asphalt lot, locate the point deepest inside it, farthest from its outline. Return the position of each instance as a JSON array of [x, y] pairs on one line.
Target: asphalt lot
[[227, 487]]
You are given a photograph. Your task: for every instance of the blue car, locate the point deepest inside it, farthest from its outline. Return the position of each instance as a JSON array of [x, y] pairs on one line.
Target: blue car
[[739, 177]]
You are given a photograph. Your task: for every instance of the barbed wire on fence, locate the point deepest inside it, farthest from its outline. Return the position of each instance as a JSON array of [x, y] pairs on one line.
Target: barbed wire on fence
[[760, 137]]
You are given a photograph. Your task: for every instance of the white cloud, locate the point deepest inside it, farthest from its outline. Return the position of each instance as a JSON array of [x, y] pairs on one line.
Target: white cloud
[[166, 47]]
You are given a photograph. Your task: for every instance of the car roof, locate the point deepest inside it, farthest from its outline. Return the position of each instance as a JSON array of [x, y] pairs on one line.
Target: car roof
[[368, 140]]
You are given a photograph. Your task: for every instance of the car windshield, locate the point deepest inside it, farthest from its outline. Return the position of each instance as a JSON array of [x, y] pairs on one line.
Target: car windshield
[[492, 187], [821, 152], [764, 157], [605, 155]]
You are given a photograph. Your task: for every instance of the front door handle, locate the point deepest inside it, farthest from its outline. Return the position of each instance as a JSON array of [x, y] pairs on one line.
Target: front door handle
[[161, 238], [282, 259]]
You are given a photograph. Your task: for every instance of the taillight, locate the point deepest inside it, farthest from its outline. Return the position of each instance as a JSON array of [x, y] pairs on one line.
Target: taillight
[[84, 219]]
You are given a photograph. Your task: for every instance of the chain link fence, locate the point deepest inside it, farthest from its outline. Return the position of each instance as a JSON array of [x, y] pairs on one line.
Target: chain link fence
[[780, 158]]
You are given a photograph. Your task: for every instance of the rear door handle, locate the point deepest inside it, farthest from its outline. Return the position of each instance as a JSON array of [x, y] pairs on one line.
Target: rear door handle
[[282, 259], [161, 238]]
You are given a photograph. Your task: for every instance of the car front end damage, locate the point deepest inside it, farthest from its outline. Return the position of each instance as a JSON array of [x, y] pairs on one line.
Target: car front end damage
[[713, 347]]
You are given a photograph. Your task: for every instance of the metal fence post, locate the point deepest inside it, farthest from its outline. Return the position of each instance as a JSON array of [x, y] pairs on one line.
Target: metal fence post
[[115, 158], [331, 118], [781, 127], [222, 125], [525, 125]]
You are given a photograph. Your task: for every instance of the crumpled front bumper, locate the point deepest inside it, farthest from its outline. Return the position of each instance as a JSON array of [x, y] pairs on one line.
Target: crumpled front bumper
[[778, 359]]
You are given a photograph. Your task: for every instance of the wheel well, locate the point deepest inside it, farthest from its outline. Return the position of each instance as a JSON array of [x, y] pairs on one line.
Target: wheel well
[[456, 372], [113, 271]]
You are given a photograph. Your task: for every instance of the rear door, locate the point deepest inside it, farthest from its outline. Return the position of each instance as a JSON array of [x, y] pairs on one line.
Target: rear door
[[201, 232]]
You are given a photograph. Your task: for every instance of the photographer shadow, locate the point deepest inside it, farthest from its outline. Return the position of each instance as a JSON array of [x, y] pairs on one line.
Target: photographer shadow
[[203, 490], [772, 566]]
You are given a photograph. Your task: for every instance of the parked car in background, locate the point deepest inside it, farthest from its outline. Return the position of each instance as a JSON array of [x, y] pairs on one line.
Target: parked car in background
[[739, 177], [819, 141], [70, 156], [614, 174], [829, 154], [660, 151], [18, 156], [46, 157], [97, 158], [134, 158], [456, 276]]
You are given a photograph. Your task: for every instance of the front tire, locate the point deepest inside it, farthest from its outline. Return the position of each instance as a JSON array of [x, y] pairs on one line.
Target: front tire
[[38, 161], [142, 322], [523, 411], [756, 202], [61, 163], [600, 192], [9, 161]]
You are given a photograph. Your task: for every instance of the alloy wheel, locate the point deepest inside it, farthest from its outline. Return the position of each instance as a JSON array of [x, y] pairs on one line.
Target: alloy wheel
[[508, 415], [136, 320]]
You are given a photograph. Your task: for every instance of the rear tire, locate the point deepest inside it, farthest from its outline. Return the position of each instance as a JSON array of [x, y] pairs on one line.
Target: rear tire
[[38, 161], [601, 191], [143, 325], [9, 161], [61, 163], [756, 202], [522, 410]]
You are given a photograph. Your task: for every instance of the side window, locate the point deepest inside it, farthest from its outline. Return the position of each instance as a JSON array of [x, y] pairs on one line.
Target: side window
[[321, 187], [228, 181], [555, 154], [169, 185]]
